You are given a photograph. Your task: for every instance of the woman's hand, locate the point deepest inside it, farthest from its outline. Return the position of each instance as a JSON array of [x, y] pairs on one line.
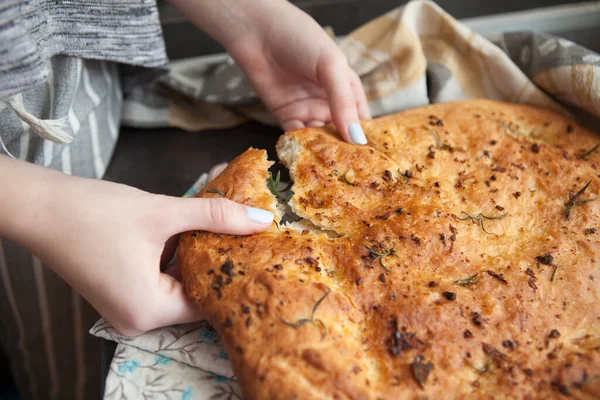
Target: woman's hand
[[107, 240], [300, 73], [297, 69]]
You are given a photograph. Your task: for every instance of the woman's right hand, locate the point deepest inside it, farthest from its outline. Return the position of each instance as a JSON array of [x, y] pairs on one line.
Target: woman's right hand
[[107, 240]]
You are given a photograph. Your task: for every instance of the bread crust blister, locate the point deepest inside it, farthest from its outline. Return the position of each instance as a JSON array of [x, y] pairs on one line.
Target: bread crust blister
[[445, 268]]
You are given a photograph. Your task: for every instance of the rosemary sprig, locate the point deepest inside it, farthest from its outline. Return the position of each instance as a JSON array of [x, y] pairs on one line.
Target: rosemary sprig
[[587, 153], [381, 254], [274, 184], [479, 218], [468, 281], [573, 201], [311, 320], [216, 191]]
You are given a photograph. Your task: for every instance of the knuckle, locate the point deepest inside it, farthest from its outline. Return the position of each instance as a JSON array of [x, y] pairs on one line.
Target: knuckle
[[218, 212], [145, 215], [336, 57], [346, 103], [332, 63]]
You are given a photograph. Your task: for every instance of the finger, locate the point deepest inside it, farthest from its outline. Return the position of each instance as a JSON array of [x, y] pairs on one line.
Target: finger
[[292, 125], [361, 98], [214, 215], [315, 124], [334, 75], [172, 306], [302, 111]]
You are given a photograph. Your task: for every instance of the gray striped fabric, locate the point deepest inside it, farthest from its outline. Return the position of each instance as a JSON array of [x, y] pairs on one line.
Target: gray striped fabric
[[60, 57], [33, 31], [85, 92]]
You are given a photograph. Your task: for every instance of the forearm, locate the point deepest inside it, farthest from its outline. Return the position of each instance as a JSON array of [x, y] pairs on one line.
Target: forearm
[[26, 191]]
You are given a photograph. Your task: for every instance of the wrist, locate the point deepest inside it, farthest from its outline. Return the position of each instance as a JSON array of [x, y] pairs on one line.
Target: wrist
[[235, 23]]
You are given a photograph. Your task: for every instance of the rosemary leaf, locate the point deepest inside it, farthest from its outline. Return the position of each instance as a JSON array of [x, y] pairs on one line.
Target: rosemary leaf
[[298, 323], [553, 273], [311, 320], [587, 153], [381, 254], [573, 201], [349, 177], [438, 141], [385, 268], [479, 218], [274, 184], [468, 281], [216, 191], [405, 176]]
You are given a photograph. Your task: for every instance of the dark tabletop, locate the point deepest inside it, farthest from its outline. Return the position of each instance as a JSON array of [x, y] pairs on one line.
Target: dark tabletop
[[169, 160]]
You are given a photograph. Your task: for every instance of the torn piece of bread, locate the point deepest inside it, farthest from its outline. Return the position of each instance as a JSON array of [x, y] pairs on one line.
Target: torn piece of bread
[[464, 262]]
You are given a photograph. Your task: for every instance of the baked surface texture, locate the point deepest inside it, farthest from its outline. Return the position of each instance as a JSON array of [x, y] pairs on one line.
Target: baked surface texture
[[441, 263]]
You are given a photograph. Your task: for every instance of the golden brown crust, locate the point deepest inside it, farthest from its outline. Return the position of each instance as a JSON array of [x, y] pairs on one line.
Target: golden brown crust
[[527, 326]]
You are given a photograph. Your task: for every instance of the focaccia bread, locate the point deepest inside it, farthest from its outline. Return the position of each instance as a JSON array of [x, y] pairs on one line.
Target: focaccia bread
[[456, 256]]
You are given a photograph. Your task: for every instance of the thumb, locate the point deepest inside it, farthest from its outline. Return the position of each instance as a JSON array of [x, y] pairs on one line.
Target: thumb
[[216, 215], [335, 77]]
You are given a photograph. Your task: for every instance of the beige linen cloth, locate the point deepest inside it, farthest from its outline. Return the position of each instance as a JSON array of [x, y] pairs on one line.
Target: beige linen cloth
[[412, 56]]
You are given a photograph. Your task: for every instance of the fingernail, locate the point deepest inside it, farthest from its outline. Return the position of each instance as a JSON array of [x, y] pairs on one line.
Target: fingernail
[[357, 134], [259, 215]]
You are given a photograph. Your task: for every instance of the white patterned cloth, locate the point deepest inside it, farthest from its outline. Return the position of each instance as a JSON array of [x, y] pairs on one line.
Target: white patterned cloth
[[181, 362]]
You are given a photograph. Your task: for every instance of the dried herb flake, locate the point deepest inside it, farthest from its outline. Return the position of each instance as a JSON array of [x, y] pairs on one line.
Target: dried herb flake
[[500, 277], [421, 370]]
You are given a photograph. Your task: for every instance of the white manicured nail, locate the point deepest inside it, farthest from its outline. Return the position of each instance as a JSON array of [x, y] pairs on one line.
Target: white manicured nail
[[259, 215], [357, 134]]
